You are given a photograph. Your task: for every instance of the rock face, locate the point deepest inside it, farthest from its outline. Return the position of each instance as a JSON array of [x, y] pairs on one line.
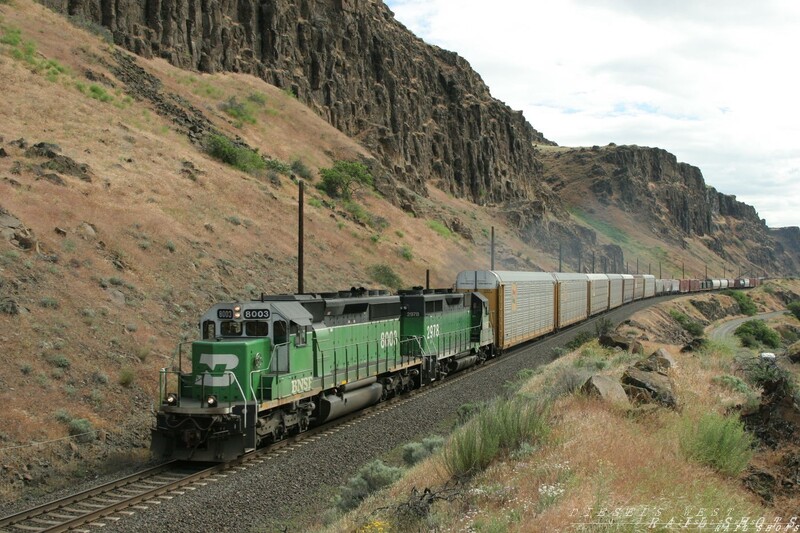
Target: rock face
[[716, 308], [672, 200], [422, 111]]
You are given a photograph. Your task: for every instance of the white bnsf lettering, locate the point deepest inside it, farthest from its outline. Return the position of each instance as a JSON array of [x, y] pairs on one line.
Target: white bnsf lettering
[[301, 385], [432, 331], [389, 339]]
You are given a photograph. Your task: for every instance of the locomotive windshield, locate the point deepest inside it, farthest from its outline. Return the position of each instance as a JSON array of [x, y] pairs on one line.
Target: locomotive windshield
[[250, 328]]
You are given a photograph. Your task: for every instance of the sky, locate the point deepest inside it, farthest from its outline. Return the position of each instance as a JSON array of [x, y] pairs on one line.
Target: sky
[[715, 82]]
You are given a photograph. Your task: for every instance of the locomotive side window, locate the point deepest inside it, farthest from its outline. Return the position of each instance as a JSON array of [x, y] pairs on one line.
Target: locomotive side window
[[209, 329], [230, 328], [299, 333], [279, 332], [256, 328]]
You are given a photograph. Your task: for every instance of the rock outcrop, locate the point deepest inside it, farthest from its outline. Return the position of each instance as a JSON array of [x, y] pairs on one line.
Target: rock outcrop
[[647, 387], [606, 388], [672, 201], [422, 111]]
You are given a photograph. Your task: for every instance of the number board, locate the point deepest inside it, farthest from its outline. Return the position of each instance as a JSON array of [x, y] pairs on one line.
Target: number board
[[251, 314], [224, 314]]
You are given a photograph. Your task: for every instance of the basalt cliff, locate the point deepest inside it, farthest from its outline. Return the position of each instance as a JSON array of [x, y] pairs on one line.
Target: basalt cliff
[[422, 111]]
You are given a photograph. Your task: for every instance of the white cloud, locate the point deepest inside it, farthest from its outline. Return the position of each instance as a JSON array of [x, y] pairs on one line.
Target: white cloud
[[713, 82]]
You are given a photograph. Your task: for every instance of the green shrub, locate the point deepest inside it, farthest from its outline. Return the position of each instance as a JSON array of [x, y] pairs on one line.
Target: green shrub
[[794, 307], [49, 303], [59, 361], [344, 178], [719, 442], [768, 376], [370, 478], [299, 168], [237, 156], [746, 304], [579, 340], [414, 452], [466, 411], [314, 202], [693, 327], [384, 275], [440, 228], [258, 99], [11, 37], [502, 426], [241, 111], [603, 326], [82, 430], [760, 331], [276, 165], [126, 377], [170, 246], [99, 93], [732, 383], [591, 359], [406, 253]]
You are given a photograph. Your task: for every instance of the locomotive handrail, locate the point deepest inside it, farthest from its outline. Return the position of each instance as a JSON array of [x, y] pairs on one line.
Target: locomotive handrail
[[228, 373]]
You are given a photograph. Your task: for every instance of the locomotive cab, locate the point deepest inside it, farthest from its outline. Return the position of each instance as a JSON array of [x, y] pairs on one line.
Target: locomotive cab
[[249, 354]]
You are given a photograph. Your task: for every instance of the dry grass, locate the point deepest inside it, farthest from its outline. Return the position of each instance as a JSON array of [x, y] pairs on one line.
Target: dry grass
[[608, 467]]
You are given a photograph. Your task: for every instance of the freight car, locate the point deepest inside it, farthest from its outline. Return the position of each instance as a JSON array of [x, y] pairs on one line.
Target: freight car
[[272, 367]]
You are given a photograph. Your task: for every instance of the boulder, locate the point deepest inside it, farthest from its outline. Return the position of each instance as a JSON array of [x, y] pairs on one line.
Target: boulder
[[607, 388], [649, 387], [618, 341], [793, 353], [694, 345], [659, 361]]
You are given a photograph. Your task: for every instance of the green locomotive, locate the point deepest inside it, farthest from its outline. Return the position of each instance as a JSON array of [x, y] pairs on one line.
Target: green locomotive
[[272, 367]]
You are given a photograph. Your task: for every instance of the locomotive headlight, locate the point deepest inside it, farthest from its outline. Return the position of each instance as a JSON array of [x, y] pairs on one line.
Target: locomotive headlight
[[211, 401], [237, 311], [172, 399]]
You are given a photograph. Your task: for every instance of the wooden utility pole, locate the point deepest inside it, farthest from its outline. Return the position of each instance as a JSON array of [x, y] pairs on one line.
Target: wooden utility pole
[[492, 261], [300, 239]]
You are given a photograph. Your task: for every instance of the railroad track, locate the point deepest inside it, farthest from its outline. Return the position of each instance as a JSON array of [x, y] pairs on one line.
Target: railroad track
[[85, 508]]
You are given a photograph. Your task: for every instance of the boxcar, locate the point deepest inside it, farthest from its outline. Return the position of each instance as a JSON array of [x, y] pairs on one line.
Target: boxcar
[[615, 288], [628, 288], [599, 287], [572, 298], [521, 304]]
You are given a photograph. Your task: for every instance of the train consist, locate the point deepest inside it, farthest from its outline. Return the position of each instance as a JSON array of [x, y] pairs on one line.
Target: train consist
[[272, 367]]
